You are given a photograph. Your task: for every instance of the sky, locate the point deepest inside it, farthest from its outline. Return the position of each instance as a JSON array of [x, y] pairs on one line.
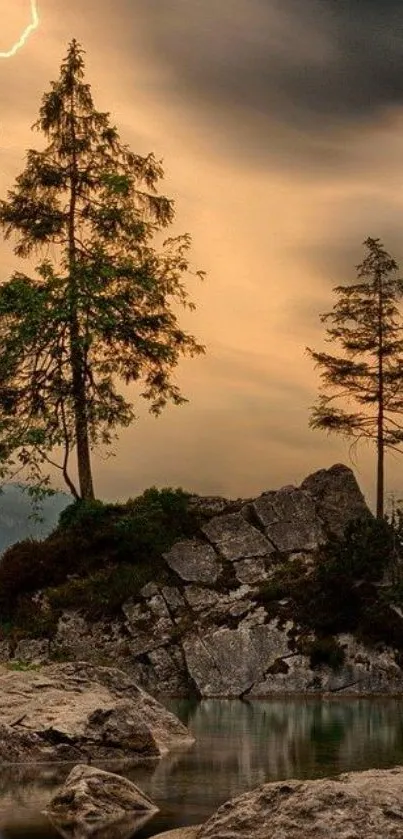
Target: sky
[[280, 126]]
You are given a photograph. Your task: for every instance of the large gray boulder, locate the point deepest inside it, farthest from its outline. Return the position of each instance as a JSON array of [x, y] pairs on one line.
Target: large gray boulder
[[235, 538], [75, 710], [358, 805], [290, 519], [228, 662], [194, 561], [338, 497], [91, 798]]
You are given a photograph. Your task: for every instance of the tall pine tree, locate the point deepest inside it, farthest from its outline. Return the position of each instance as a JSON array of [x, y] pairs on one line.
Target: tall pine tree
[[362, 389], [101, 312]]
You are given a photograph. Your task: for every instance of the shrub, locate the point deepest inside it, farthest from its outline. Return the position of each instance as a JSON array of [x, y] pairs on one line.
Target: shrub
[[92, 537], [325, 650], [82, 514], [340, 593], [363, 553], [101, 594]]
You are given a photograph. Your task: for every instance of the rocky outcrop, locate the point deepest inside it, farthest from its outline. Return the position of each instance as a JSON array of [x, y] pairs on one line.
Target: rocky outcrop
[[91, 798], [204, 627], [194, 561], [358, 805], [76, 710], [338, 499], [229, 662], [290, 520]]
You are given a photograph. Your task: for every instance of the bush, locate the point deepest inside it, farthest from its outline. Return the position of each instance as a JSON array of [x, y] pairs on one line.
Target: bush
[[363, 553], [284, 582], [325, 650], [91, 541], [102, 594], [340, 593], [84, 515]]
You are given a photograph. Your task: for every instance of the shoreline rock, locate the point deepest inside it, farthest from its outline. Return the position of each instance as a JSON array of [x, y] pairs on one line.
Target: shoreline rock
[[355, 805], [67, 712]]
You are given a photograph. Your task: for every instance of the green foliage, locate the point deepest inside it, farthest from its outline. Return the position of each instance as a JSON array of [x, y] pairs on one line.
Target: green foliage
[[340, 592], [325, 650], [98, 557], [84, 514], [22, 666], [284, 581], [364, 553], [102, 594]]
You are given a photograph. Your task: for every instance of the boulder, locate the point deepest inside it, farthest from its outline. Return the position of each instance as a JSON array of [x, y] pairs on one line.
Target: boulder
[[75, 710], [291, 675], [235, 538], [147, 629], [358, 805], [91, 798], [194, 561], [251, 570], [207, 506], [33, 651], [290, 519], [338, 497], [228, 662]]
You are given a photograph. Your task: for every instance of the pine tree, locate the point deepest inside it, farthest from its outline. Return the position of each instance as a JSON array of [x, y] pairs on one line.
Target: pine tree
[[101, 312], [367, 379]]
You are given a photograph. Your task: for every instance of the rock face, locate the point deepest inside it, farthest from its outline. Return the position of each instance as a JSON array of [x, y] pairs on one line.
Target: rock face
[[290, 520], [76, 710], [205, 629], [194, 561], [229, 662], [358, 805], [90, 797], [337, 497]]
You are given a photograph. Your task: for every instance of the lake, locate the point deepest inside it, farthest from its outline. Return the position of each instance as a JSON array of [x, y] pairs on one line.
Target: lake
[[239, 745]]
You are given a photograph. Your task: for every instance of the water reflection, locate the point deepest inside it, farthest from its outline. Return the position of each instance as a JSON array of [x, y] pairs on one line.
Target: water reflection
[[238, 746], [123, 829]]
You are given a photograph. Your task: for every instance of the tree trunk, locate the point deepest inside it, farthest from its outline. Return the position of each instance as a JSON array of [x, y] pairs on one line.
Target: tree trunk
[[380, 479], [76, 348], [380, 424]]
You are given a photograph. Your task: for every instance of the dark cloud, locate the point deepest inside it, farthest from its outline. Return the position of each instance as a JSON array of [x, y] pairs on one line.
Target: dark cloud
[[312, 66]]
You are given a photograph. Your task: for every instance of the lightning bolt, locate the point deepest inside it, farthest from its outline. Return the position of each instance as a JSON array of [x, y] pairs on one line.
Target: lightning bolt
[[34, 23]]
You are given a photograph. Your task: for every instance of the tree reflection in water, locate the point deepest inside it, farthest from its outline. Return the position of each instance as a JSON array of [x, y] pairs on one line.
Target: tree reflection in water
[[238, 745]]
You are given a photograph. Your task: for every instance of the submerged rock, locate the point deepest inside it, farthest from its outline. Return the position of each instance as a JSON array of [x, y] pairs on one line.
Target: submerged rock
[[75, 710], [358, 805], [91, 799]]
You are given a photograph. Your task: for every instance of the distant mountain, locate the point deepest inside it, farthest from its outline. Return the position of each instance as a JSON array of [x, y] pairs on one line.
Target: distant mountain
[[15, 512]]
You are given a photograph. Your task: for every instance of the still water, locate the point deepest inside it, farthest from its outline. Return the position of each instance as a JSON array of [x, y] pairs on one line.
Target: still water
[[238, 746]]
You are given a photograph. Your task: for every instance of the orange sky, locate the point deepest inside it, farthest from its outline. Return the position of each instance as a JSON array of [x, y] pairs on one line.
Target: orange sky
[[280, 165]]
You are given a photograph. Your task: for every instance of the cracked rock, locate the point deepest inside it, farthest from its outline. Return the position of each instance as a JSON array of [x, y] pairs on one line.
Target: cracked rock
[[194, 561]]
